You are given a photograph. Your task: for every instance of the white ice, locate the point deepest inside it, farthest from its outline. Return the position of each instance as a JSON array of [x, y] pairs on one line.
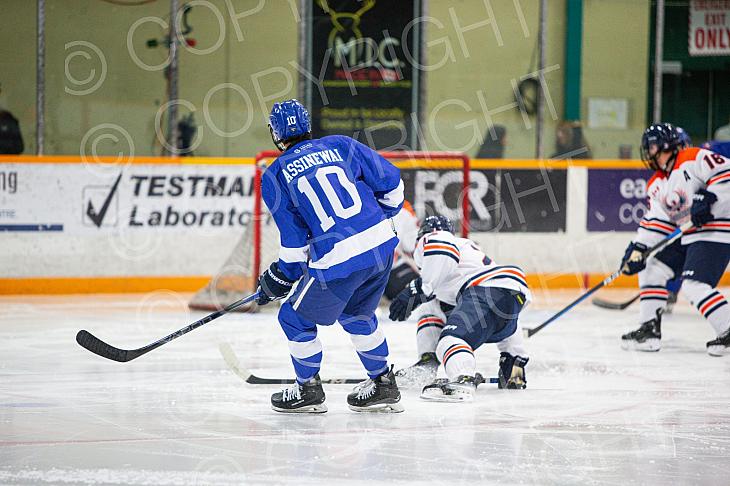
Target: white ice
[[592, 413]]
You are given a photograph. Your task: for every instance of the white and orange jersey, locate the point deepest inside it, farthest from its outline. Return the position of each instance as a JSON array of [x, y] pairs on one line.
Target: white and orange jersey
[[670, 198], [406, 225], [450, 264]]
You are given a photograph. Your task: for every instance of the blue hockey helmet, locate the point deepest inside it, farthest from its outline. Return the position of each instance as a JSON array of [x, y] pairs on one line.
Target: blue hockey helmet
[[435, 223], [658, 138], [684, 139], [288, 120]]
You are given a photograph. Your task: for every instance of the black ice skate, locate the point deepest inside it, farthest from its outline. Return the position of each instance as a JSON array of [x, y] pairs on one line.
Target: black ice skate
[[376, 395], [512, 372], [648, 337], [306, 398], [421, 373], [462, 389], [719, 346]]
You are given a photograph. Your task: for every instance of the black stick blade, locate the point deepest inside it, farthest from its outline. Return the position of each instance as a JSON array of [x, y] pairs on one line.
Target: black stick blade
[[257, 380], [99, 347], [605, 304]]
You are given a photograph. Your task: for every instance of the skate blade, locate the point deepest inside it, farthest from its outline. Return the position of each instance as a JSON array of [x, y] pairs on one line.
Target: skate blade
[[379, 408], [321, 408], [438, 396], [718, 351], [650, 345]]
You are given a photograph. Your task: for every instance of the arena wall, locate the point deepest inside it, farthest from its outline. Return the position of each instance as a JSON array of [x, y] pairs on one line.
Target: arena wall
[[58, 237], [243, 61]]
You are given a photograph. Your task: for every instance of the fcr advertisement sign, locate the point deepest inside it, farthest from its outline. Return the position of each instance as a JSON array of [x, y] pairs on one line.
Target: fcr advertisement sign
[[501, 200], [709, 28], [616, 199]]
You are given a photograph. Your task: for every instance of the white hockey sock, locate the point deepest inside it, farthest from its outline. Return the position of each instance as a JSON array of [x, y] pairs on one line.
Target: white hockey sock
[[711, 304], [514, 345], [652, 298], [306, 357], [653, 289], [456, 356], [427, 334], [372, 349]]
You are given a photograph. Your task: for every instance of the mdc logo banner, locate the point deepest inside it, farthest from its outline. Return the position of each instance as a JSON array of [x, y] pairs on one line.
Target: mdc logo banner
[[364, 82]]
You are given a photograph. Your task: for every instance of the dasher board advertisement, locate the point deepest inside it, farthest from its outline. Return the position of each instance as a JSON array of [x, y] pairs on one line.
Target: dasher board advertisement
[[80, 198]]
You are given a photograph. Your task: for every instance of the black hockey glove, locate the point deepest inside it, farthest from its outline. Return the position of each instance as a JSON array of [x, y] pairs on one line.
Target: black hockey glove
[[273, 285], [702, 203], [634, 259], [408, 299]]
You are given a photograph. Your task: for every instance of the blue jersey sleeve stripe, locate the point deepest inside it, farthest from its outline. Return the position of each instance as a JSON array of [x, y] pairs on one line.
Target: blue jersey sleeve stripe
[[293, 255], [393, 198]]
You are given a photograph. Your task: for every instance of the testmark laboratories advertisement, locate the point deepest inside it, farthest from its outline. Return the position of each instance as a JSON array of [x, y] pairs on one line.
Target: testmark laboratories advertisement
[[76, 198], [150, 199]]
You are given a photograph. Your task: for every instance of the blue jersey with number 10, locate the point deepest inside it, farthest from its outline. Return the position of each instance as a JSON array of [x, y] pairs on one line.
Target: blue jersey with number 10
[[332, 199]]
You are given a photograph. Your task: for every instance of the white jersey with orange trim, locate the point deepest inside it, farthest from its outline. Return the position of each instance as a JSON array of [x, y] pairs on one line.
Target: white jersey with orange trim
[[450, 264], [406, 226], [670, 198]]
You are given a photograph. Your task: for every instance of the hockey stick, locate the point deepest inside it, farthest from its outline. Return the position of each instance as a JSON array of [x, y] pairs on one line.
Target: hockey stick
[[479, 379], [668, 239], [235, 365], [229, 356], [605, 304], [99, 347]]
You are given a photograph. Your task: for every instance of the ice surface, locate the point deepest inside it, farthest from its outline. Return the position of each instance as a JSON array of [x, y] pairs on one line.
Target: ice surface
[[593, 414]]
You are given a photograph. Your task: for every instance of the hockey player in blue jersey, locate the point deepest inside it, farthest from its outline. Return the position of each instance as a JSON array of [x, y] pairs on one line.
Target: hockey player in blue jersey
[[332, 199]]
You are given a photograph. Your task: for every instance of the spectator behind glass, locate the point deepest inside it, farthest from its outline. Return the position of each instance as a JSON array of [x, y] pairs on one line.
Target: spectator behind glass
[[570, 143], [723, 132], [11, 141], [493, 144]]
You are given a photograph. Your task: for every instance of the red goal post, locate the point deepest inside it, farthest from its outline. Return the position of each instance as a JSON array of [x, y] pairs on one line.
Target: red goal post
[[405, 160]]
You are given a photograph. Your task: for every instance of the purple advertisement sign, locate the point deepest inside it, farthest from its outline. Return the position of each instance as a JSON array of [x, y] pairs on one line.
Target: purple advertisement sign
[[616, 198]]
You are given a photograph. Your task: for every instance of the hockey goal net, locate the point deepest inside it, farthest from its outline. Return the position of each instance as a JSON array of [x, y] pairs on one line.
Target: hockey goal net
[[435, 183]]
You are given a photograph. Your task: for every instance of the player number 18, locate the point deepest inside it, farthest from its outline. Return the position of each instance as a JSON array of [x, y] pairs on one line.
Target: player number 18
[[716, 158]]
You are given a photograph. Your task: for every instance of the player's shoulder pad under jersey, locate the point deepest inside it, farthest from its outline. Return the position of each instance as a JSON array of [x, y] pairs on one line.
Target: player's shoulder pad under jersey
[[270, 173], [349, 144], [441, 243], [687, 155]]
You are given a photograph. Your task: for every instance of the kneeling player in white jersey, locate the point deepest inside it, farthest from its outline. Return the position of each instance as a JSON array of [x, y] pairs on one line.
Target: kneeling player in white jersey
[[689, 183], [486, 299]]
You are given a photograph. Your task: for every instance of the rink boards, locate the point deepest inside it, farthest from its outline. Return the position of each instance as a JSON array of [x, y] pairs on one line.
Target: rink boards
[[138, 224]]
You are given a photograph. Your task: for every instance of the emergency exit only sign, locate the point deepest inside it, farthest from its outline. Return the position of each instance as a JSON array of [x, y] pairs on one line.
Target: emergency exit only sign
[[709, 28]]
